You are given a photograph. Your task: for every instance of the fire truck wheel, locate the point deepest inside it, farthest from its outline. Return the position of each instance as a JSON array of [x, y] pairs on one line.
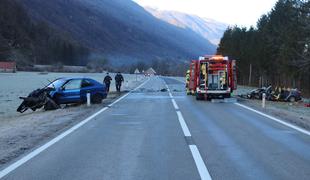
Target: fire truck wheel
[[199, 97]]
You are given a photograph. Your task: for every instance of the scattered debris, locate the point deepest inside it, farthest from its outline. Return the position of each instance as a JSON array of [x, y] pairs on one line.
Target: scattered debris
[[164, 90]]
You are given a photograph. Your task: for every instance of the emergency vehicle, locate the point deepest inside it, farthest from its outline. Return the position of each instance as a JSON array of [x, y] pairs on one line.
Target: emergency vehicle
[[212, 77]]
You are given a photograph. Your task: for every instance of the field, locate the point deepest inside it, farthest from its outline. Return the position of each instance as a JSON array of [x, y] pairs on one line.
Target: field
[[14, 85]]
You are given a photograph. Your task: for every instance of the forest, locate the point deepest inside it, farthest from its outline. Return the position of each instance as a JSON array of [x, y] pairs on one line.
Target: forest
[[28, 42], [276, 51]]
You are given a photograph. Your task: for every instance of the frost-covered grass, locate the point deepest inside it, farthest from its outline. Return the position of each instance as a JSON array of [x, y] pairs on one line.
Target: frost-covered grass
[[14, 85]]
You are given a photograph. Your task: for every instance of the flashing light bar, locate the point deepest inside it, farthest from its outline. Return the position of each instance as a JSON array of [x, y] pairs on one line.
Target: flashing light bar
[[213, 57]]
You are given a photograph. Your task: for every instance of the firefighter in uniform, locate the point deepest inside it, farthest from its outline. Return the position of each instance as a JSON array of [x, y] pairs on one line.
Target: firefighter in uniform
[[222, 81], [187, 79]]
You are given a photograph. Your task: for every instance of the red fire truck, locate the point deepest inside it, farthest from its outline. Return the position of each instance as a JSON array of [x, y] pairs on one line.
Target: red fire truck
[[212, 77]]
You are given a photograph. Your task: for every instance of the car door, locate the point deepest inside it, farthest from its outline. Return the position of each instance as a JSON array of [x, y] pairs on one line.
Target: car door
[[70, 91]]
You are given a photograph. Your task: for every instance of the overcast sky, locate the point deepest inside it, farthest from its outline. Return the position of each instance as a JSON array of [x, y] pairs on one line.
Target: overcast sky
[[240, 12]]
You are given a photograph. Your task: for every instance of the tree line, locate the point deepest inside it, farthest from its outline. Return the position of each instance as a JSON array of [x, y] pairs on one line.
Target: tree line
[[275, 52]]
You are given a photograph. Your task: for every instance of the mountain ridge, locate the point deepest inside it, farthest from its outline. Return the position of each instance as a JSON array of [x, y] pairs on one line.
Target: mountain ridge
[[210, 29], [120, 29]]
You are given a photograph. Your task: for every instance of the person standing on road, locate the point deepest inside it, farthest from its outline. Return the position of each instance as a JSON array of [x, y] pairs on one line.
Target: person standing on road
[[107, 81], [118, 81], [187, 79]]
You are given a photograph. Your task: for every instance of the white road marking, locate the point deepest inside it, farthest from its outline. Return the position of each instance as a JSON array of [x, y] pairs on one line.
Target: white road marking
[[183, 124], [117, 114], [130, 123], [202, 169], [180, 81], [47, 145], [276, 119], [176, 107], [119, 99], [167, 87], [37, 151]]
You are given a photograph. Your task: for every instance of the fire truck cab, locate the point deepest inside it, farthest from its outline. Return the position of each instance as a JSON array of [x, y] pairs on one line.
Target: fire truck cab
[[212, 77]]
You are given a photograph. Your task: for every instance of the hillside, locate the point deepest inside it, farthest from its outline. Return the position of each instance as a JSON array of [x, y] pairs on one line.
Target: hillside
[[210, 29], [120, 29], [26, 42]]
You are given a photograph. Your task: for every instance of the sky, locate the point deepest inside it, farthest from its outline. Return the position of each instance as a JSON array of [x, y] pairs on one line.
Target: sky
[[233, 12]]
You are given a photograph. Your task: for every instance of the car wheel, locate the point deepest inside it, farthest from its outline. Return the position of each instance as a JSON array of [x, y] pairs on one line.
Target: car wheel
[[50, 105], [56, 99], [197, 97], [96, 99], [292, 99]]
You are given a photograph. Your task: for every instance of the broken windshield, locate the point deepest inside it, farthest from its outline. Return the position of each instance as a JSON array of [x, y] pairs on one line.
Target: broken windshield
[[56, 84]]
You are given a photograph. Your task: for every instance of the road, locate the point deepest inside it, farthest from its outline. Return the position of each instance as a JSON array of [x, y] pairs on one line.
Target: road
[[154, 134]]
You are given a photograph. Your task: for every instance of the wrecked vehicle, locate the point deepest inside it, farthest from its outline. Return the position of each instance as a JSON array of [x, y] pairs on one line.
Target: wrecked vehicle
[[37, 99], [64, 91], [258, 93], [287, 95]]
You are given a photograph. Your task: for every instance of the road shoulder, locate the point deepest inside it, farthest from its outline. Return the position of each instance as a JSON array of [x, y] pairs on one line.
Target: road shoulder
[[288, 115], [20, 135]]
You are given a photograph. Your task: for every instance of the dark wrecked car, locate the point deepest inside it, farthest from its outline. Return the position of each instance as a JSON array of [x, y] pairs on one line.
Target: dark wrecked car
[[257, 93], [288, 95], [64, 91]]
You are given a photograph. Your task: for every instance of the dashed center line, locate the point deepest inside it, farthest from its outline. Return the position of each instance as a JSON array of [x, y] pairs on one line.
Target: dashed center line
[[183, 124], [202, 168], [174, 104]]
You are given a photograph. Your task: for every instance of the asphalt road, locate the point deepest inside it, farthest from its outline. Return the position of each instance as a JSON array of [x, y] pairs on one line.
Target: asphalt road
[[154, 134]]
